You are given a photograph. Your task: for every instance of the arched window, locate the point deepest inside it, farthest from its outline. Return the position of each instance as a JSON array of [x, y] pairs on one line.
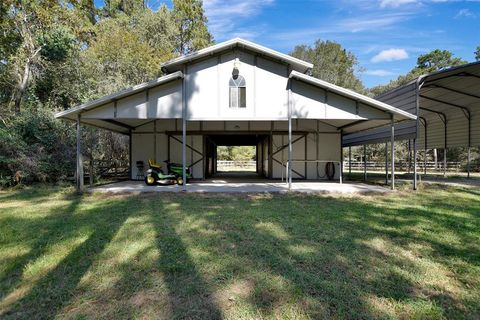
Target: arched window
[[238, 91]]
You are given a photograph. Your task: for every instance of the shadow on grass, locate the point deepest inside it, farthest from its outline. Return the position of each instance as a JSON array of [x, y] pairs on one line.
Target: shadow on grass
[[48, 230], [55, 289], [190, 297]]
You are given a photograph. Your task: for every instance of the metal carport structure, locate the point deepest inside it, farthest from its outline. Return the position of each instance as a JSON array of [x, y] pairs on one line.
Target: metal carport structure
[[447, 103], [193, 101]]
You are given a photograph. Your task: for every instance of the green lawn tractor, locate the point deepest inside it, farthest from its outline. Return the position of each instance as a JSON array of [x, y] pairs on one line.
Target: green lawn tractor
[[155, 174]]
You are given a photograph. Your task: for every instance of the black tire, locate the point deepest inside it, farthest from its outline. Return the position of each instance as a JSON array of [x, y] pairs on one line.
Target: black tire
[[150, 180]]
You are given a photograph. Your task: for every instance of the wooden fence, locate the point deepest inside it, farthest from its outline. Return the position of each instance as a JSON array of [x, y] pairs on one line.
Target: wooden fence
[[403, 166], [230, 165]]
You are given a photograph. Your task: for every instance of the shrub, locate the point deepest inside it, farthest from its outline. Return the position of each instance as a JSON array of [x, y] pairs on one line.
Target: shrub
[[36, 147]]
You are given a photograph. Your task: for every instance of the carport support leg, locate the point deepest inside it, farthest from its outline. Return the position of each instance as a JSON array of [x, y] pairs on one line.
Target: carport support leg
[[444, 162], [349, 162], [290, 141], [386, 162], [341, 158], [468, 162], [415, 164], [79, 156], [364, 162], [184, 153], [392, 142]]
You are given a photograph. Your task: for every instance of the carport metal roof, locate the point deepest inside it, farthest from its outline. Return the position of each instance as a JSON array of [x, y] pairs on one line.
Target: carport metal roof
[[447, 103]]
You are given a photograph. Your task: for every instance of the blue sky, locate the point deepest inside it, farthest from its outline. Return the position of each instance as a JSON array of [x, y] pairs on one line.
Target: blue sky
[[386, 35]]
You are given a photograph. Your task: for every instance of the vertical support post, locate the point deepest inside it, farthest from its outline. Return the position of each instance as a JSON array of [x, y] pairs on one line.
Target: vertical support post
[[417, 103], [290, 136], [155, 140], [270, 152], [415, 164], [468, 161], [425, 150], [386, 162], [317, 148], [364, 162], [469, 144], [341, 157], [445, 150], [130, 158], [444, 162], [79, 181], [184, 130], [392, 146], [349, 161], [409, 155]]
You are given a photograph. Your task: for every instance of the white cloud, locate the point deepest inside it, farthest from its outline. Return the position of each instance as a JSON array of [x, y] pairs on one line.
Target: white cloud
[[395, 3], [372, 22], [379, 73], [390, 55], [340, 28], [224, 17], [465, 13]]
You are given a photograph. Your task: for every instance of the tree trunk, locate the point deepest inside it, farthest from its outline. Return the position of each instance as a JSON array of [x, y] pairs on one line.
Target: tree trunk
[[91, 172], [22, 86]]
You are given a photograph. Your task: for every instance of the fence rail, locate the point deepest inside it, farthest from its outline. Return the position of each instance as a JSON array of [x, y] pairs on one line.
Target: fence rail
[[105, 169], [403, 165], [236, 164]]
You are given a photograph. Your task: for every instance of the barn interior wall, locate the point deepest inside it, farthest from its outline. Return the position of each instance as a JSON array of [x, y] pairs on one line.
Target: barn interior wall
[[308, 146]]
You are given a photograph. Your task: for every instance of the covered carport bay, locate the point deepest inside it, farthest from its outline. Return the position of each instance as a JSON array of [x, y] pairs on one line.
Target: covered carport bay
[[447, 103]]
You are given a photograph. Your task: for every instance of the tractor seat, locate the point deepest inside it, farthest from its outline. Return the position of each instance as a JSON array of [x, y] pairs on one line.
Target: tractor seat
[[152, 164]]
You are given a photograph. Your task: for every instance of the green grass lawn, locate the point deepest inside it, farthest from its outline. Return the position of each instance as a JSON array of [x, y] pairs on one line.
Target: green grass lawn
[[190, 256]]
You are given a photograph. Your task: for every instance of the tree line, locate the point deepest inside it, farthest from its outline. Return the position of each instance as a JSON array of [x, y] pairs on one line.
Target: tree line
[[58, 54]]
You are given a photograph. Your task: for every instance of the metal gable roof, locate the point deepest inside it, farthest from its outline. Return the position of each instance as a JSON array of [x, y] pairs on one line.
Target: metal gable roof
[[298, 64], [398, 113], [118, 95]]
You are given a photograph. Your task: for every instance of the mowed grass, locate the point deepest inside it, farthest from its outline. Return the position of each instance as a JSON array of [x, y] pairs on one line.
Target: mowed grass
[[191, 256]]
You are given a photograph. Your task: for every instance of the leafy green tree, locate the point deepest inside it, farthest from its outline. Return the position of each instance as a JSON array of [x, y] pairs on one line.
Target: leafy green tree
[[332, 63], [191, 24], [112, 8], [119, 56], [437, 60], [477, 54], [58, 54], [426, 63], [224, 153], [157, 30], [86, 8], [35, 35], [240, 153]]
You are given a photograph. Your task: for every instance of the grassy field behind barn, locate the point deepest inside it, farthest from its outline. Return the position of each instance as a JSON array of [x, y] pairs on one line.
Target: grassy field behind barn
[[187, 256]]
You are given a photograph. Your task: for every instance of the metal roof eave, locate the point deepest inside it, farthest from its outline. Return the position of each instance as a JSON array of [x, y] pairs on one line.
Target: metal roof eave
[[353, 95], [240, 43], [119, 95]]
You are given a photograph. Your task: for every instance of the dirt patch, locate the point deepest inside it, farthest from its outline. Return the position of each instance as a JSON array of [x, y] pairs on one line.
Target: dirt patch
[[238, 290]]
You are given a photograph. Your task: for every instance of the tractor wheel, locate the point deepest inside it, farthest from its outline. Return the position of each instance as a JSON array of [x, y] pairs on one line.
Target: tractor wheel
[[149, 180], [179, 180]]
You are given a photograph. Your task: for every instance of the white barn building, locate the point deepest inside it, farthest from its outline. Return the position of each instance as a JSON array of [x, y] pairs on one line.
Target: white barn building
[[237, 93]]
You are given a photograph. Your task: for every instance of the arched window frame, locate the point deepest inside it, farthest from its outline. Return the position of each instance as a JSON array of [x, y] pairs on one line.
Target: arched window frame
[[237, 92]]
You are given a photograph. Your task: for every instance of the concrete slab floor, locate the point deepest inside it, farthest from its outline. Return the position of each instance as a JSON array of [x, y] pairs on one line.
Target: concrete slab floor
[[219, 185]]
